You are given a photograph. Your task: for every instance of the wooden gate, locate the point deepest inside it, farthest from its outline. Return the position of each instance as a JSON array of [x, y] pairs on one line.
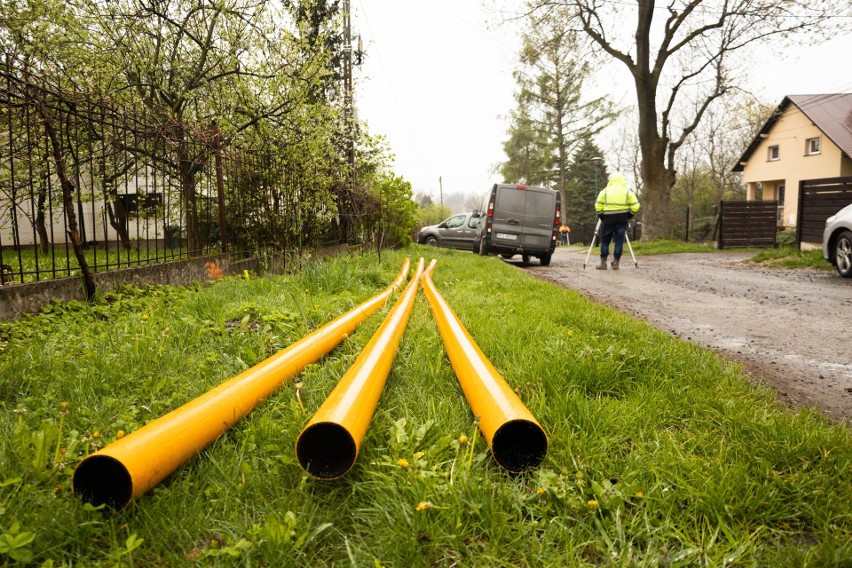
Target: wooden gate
[[819, 199], [747, 224]]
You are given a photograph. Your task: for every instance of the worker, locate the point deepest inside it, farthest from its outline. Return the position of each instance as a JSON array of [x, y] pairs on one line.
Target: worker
[[563, 234], [616, 205]]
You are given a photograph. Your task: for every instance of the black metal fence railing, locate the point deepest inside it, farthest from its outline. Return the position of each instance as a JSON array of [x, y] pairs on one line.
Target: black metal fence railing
[[131, 190]]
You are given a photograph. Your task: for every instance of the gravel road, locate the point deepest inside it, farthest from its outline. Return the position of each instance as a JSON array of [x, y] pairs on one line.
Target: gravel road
[[789, 328]]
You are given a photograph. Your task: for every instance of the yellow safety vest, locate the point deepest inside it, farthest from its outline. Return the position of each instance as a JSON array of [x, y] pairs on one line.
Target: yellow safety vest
[[616, 196]]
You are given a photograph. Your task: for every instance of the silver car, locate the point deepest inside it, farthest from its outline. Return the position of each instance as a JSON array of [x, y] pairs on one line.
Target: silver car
[[837, 241], [456, 232]]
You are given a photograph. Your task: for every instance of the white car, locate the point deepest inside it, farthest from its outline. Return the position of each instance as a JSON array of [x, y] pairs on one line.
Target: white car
[[837, 241]]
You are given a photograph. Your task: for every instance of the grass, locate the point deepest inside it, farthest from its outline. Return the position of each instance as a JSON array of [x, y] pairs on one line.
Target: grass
[[782, 257], [32, 265], [792, 257], [661, 453]]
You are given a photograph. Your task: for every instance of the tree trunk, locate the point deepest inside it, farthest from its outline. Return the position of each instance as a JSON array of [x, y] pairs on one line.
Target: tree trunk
[[67, 200], [186, 172], [40, 225], [118, 221], [657, 180]]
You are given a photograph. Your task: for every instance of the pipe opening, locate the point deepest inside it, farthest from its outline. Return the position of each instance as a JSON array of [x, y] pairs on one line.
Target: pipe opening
[[519, 445], [326, 450], [103, 480]]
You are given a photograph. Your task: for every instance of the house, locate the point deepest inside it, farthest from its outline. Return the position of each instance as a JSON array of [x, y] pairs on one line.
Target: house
[[808, 137]]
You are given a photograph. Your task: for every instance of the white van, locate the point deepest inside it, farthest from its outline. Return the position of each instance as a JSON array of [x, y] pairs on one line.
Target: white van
[[519, 219]]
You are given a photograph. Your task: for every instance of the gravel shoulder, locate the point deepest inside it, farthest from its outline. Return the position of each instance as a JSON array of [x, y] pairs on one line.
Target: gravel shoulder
[[788, 328]]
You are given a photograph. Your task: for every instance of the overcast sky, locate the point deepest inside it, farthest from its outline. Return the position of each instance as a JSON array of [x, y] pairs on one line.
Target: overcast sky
[[437, 82]]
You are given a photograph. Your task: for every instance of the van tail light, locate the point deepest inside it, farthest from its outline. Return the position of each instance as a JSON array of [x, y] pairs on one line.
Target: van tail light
[[557, 222], [489, 219]]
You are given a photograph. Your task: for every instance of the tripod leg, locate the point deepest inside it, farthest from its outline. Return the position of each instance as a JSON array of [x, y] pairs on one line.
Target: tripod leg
[[597, 226], [626, 238]]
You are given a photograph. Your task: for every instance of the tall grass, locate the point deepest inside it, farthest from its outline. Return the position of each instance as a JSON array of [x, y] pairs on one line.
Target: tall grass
[[661, 453]]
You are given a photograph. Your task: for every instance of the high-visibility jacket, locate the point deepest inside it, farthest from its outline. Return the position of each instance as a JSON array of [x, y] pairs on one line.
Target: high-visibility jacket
[[616, 197]]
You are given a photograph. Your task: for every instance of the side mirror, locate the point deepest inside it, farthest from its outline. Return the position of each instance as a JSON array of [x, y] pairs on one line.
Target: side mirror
[[475, 214]]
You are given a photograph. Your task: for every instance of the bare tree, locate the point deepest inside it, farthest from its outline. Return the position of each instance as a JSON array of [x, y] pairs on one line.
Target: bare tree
[[680, 58]]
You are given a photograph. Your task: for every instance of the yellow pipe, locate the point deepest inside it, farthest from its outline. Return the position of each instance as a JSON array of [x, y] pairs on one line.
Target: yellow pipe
[[516, 439], [127, 468], [328, 446]]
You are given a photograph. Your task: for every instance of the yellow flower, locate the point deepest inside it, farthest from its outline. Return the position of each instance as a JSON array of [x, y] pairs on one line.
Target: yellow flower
[[462, 440], [119, 435], [423, 505], [96, 434], [403, 463], [144, 317], [246, 274], [639, 494], [593, 504], [540, 491], [64, 406], [570, 333]]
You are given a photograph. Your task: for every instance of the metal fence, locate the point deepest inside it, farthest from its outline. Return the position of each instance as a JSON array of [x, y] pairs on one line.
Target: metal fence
[[134, 189]]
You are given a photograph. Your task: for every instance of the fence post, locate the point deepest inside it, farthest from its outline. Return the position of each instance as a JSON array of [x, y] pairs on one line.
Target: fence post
[[686, 238], [220, 186]]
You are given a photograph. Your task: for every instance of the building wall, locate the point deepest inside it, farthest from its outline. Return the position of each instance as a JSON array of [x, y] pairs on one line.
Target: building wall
[[790, 134]]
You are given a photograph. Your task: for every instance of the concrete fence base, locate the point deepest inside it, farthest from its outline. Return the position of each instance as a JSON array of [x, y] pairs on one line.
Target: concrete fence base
[[19, 299]]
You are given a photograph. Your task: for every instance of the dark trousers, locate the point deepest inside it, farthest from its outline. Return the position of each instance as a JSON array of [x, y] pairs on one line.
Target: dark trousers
[[616, 229]]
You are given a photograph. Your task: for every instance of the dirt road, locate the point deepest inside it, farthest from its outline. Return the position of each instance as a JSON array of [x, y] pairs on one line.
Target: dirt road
[[789, 328]]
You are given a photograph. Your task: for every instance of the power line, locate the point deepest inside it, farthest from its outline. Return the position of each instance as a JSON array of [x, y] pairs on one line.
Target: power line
[[390, 86]]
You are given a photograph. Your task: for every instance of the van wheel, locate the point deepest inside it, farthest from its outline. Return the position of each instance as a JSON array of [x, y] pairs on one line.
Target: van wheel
[[526, 258], [483, 248], [507, 256], [545, 259]]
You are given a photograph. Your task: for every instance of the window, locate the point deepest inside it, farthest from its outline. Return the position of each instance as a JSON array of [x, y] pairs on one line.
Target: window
[[774, 153], [456, 221], [473, 222], [779, 195], [144, 202], [812, 146]]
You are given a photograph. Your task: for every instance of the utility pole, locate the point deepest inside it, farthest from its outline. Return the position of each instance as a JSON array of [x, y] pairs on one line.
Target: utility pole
[[441, 191]]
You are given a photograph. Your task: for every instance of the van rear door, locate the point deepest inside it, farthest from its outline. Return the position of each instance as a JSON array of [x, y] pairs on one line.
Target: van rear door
[[509, 211], [539, 209]]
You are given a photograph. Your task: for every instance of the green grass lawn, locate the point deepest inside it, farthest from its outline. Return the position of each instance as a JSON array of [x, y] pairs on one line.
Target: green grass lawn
[[661, 453]]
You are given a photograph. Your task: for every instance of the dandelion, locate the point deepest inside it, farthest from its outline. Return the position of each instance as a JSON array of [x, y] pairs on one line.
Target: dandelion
[[119, 435], [96, 434], [462, 439], [423, 505], [570, 333], [403, 463], [540, 491], [639, 494], [64, 406], [144, 317], [592, 504]]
